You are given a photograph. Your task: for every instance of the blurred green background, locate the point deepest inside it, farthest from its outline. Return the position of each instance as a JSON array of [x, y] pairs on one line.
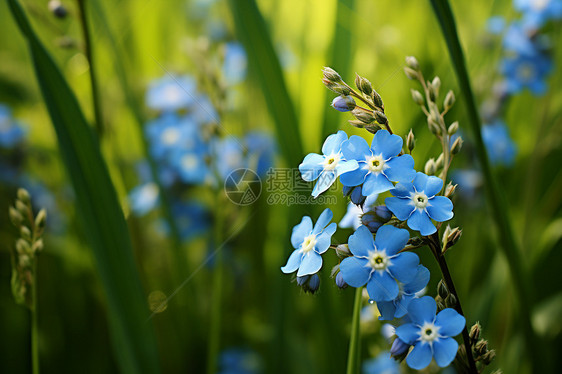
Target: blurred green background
[[262, 309]]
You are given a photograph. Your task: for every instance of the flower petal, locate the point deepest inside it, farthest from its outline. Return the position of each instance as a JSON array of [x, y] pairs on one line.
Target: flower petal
[[408, 333], [301, 231], [388, 145], [324, 240], [311, 167], [323, 220], [376, 183], [422, 310], [354, 178], [421, 279], [293, 263], [420, 356], [333, 143], [404, 266], [429, 185], [401, 169], [356, 148], [444, 351], [440, 208], [391, 239], [402, 305], [311, 263], [382, 287], [451, 323], [403, 190], [387, 310], [346, 166], [354, 271], [401, 208], [419, 221], [361, 242], [325, 180]]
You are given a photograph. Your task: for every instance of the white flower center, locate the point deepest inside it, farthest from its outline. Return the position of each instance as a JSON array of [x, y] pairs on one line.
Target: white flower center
[[525, 72], [331, 161], [172, 92], [189, 162], [376, 164], [420, 200], [378, 260], [538, 5], [150, 191], [429, 332], [309, 243], [170, 136]]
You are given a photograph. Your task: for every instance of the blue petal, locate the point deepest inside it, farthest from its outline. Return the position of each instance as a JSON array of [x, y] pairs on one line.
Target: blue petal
[[388, 145], [354, 177], [311, 166], [403, 190], [301, 231], [419, 282], [408, 333], [333, 143], [401, 169], [356, 148], [346, 166], [422, 310], [382, 287], [420, 356], [293, 263], [324, 240], [323, 220], [419, 221], [354, 271], [387, 310], [361, 242], [402, 305], [311, 263], [451, 323], [444, 351], [325, 180], [429, 185], [404, 266], [400, 207], [440, 208], [376, 183], [391, 239]]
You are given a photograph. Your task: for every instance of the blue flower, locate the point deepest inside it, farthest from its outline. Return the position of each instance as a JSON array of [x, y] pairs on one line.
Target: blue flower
[[537, 12], [382, 364], [309, 243], [469, 181], [343, 103], [169, 133], [352, 218], [239, 361], [495, 25], [377, 263], [430, 335], [378, 165], [229, 156], [144, 198], [398, 307], [192, 219], [417, 203], [526, 72], [191, 165], [517, 39], [171, 93], [327, 167], [11, 132], [261, 151], [501, 149], [203, 111], [235, 63]]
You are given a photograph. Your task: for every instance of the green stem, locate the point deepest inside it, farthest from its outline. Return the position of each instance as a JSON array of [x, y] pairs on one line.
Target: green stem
[[354, 354], [520, 279], [92, 71], [215, 325], [34, 328]]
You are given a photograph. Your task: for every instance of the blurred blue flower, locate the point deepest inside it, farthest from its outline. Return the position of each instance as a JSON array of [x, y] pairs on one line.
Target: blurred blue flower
[[377, 263], [327, 167], [239, 361], [144, 198], [382, 364], [517, 39], [430, 335], [229, 156], [192, 219], [378, 165], [495, 25], [501, 149], [309, 243], [398, 307], [191, 164], [171, 93], [261, 151], [522, 71], [170, 132], [235, 63], [537, 12], [469, 182], [352, 218], [11, 132], [203, 111], [417, 203]]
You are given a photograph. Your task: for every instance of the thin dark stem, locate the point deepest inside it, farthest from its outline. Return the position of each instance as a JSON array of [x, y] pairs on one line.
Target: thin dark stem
[[435, 245], [34, 325]]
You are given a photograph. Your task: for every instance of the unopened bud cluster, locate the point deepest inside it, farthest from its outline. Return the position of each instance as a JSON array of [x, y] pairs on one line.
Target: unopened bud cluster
[[28, 245]]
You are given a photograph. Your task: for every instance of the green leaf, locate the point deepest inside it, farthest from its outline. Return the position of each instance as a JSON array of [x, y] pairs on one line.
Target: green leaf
[[253, 33], [99, 210]]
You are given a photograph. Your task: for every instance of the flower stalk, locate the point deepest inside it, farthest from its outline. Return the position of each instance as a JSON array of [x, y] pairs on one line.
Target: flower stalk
[[354, 353]]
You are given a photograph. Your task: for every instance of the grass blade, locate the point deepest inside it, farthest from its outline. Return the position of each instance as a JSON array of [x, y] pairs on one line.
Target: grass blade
[[98, 206]]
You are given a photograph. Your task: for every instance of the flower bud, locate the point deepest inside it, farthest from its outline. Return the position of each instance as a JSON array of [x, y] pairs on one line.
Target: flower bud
[[361, 115], [340, 282], [430, 168], [331, 75], [302, 280], [356, 196], [25, 233], [433, 126], [343, 103], [457, 145], [453, 237], [342, 250], [377, 99], [481, 347], [410, 141], [37, 246], [439, 161], [15, 216], [380, 117], [450, 189], [356, 123], [442, 289], [312, 285], [412, 63], [370, 221], [449, 100], [410, 73], [57, 9], [23, 195], [21, 207], [488, 357], [383, 213], [451, 301], [474, 333], [453, 128], [398, 348], [417, 97], [22, 247], [41, 219], [436, 84], [363, 84]]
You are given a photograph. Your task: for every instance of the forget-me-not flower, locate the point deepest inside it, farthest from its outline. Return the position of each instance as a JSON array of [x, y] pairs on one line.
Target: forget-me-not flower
[[327, 167], [169, 133], [309, 243], [537, 12], [430, 334], [379, 165], [501, 148], [417, 203], [382, 364], [171, 93], [235, 63], [144, 198], [377, 263], [522, 71], [10, 131]]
